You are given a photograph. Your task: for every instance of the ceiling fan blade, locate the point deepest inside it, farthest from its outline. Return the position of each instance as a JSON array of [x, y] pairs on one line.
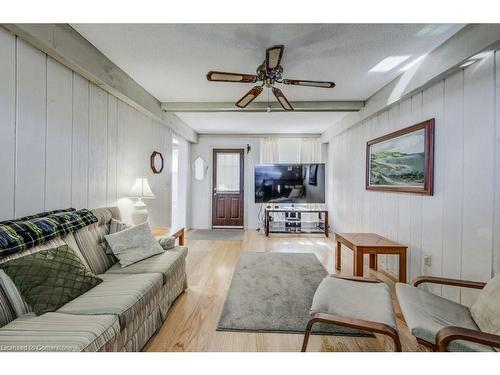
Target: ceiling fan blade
[[273, 57], [297, 82], [282, 99], [231, 77], [249, 97]]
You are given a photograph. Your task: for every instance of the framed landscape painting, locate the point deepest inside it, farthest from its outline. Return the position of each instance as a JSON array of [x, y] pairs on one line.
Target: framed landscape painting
[[402, 161]]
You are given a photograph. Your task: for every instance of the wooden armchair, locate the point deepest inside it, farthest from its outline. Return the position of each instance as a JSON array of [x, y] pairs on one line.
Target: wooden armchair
[[373, 312], [443, 325]]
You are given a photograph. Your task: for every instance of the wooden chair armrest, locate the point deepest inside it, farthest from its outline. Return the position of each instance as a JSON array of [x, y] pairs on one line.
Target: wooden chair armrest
[[446, 281], [357, 278], [365, 325], [354, 323], [451, 333]]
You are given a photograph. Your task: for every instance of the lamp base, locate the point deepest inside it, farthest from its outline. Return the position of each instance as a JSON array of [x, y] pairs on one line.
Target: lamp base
[[140, 213]]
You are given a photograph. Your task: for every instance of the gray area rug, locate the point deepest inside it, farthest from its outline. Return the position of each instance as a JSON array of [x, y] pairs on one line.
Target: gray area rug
[[273, 292], [216, 234]]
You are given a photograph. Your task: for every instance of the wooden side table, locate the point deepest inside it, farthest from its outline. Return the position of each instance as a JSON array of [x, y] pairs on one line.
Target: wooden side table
[[373, 244], [177, 233]]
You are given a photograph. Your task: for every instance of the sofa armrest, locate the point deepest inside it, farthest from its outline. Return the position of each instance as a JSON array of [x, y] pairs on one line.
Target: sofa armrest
[[451, 333], [167, 243]]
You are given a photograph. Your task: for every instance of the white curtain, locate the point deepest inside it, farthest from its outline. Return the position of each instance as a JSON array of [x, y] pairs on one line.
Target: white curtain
[[269, 150], [290, 150], [310, 150]]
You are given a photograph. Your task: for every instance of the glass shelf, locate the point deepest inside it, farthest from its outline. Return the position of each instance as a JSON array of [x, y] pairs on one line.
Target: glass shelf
[[296, 221]]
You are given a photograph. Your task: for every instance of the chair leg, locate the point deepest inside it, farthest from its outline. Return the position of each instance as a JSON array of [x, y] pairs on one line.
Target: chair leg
[[397, 343], [307, 334], [428, 345], [393, 334]]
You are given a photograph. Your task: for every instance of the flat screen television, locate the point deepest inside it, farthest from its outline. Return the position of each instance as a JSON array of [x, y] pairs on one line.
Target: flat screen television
[[290, 183]]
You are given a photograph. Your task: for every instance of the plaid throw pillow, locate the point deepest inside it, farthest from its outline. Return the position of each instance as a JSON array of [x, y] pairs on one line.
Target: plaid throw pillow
[[50, 278], [21, 235], [41, 214]]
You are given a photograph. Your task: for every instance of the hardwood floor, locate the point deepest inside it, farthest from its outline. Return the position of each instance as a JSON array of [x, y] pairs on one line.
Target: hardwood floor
[[191, 322]]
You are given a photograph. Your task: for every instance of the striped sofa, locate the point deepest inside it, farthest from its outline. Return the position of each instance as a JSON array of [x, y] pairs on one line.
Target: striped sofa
[[120, 314]]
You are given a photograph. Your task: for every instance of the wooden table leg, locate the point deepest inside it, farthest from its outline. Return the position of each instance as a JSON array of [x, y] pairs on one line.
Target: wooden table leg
[[373, 261], [402, 266], [358, 263], [338, 256], [326, 223], [181, 238], [266, 223]]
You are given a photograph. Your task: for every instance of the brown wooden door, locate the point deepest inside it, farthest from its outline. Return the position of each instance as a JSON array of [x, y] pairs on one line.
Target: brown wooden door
[[227, 190]]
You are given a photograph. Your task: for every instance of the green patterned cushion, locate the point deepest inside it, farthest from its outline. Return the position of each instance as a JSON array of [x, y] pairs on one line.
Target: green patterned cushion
[[50, 278]]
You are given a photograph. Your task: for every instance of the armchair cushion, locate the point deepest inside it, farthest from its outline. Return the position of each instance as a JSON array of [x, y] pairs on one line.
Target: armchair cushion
[[486, 308], [354, 299], [426, 313]]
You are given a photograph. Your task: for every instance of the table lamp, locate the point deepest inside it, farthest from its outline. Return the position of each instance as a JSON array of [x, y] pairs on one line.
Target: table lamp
[[140, 190]]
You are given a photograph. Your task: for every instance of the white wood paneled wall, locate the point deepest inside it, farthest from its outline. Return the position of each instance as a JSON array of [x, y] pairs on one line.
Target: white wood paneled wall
[[459, 227], [68, 143]]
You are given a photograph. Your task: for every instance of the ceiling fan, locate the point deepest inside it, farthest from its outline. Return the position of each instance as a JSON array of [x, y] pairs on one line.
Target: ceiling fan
[[268, 73]]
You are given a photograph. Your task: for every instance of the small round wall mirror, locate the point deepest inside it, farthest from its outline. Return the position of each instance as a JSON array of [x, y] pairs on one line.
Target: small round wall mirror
[[156, 162], [199, 168]]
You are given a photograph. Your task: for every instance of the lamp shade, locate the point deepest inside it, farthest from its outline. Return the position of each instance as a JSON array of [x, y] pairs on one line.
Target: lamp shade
[[141, 189]]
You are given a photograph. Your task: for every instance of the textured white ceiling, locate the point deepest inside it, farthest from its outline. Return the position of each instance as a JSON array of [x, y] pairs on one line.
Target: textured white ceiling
[[257, 123], [171, 60]]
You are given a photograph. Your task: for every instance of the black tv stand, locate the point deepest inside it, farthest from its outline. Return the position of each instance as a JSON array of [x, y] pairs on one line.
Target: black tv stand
[[296, 220]]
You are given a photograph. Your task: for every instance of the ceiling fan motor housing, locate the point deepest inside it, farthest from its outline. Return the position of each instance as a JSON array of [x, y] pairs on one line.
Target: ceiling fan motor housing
[[264, 74]]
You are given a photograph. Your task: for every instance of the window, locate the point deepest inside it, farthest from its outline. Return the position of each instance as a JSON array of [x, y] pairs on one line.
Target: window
[[228, 172]]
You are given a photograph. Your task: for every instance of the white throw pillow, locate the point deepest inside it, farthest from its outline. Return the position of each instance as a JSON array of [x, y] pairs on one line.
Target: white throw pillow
[[486, 309], [115, 226], [133, 244]]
